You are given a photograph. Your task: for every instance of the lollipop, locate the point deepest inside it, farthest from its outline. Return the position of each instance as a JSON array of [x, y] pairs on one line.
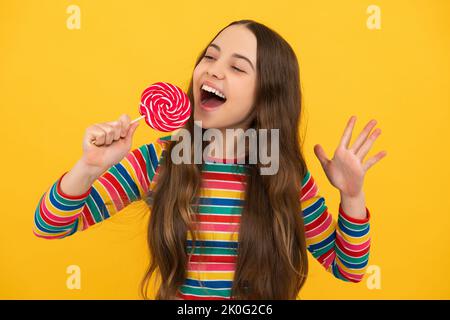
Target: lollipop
[[164, 106]]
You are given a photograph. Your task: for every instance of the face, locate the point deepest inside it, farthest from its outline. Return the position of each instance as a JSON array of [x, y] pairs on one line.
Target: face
[[228, 65]]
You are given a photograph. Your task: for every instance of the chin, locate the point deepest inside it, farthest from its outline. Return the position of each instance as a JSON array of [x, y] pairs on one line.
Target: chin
[[205, 124]]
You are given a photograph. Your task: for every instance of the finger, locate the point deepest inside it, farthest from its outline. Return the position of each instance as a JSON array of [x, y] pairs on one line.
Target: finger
[[363, 136], [321, 155], [125, 120], [371, 161], [117, 128], [131, 130], [109, 132], [347, 135], [365, 148], [96, 135]]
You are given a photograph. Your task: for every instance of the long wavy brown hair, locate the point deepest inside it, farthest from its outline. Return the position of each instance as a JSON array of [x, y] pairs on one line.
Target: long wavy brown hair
[[272, 260]]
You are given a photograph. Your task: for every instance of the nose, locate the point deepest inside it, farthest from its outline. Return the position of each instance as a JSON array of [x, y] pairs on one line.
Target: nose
[[215, 69]]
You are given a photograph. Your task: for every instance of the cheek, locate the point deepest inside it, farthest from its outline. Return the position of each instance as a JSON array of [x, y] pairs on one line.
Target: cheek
[[243, 98], [195, 74], [195, 78]]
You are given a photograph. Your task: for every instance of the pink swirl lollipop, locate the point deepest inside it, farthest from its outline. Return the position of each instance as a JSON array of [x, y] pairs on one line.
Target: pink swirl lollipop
[[164, 106]]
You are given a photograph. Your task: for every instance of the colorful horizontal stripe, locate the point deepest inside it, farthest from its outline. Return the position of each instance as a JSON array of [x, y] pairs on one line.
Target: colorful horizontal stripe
[[341, 247]]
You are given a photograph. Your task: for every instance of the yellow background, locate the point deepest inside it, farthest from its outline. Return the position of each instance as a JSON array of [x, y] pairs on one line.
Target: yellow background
[[55, 82]]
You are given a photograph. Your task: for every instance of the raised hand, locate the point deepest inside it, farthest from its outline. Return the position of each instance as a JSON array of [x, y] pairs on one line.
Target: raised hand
[[346, 170]]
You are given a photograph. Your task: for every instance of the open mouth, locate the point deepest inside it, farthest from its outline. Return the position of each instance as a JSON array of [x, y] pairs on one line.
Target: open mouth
[[210, 99]]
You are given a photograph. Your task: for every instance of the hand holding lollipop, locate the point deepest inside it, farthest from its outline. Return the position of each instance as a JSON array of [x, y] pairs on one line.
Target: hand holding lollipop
[[164, 106]]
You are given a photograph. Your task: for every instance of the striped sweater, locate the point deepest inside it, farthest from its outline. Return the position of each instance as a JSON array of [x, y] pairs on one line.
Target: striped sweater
[[342, 248]]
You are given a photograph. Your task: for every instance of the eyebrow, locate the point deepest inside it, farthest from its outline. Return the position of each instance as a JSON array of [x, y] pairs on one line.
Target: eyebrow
[[236, 55]]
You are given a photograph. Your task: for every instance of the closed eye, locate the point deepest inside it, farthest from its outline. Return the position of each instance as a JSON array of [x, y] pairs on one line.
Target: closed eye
[[211, 58]]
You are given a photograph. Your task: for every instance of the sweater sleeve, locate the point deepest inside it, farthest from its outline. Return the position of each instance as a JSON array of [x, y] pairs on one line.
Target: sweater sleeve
[[59, 215], [342, 248]]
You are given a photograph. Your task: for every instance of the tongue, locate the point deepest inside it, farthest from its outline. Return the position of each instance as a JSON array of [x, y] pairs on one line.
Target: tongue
[[213, 102]]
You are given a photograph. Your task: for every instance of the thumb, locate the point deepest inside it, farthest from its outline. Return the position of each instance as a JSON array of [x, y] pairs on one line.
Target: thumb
[[321, 155], [131, 130]]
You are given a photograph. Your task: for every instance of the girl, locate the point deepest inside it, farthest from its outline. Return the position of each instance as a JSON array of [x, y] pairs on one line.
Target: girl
[[220, 229]]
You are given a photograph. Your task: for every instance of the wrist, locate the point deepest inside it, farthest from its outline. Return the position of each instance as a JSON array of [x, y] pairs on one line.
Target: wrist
[[360, 194], [354, 206], [90, 173]]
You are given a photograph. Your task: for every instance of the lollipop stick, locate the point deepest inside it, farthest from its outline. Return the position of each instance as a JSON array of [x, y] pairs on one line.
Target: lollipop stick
[[137, 119]]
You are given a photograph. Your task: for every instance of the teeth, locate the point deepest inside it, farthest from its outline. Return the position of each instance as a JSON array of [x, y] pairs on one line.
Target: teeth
[[216, 92]]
